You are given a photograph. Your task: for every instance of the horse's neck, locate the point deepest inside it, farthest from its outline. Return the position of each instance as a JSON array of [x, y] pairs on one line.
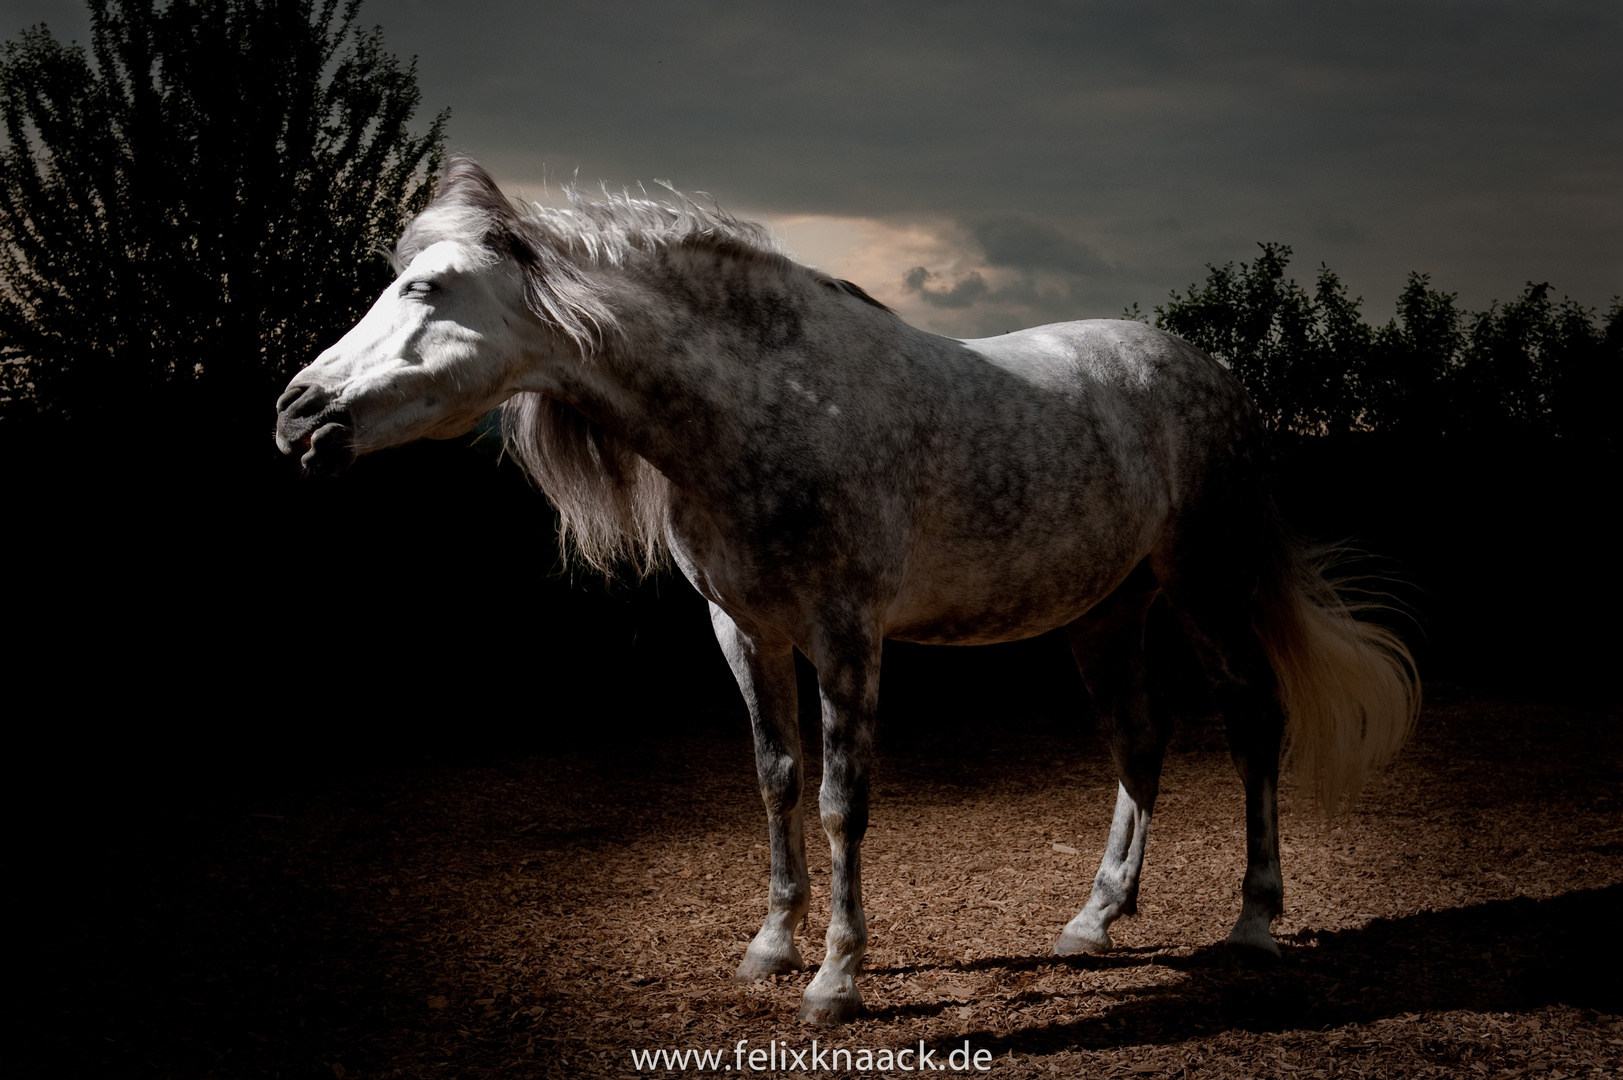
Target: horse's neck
[[684, 370]]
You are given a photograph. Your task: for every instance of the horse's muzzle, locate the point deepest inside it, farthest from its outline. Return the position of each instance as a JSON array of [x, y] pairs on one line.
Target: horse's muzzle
[[309, 420]]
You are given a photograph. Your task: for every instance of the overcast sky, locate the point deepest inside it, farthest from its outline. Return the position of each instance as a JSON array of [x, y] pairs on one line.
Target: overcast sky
[[983, 167]]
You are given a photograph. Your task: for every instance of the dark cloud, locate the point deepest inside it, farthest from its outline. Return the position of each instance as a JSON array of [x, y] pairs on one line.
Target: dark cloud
[[1482, 142], [989, 308], [962, 293], [1026, 244], [1048, 279]]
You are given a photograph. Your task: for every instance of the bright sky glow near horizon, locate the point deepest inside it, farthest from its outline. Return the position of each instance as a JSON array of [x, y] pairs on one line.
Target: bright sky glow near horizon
[[984, 168]]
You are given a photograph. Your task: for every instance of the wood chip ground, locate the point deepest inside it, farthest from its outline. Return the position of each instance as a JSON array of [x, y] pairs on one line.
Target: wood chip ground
[[548, 915]]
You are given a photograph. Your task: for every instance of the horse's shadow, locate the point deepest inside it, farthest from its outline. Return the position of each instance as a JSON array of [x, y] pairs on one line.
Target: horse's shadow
[[1500, 956]]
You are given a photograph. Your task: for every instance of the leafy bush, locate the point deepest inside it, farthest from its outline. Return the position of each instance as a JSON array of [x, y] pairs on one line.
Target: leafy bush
[[1314, 366], [199, 200]]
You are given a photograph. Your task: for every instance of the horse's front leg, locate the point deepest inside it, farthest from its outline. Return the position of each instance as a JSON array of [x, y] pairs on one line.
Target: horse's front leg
[[848, 682], [765, 670]]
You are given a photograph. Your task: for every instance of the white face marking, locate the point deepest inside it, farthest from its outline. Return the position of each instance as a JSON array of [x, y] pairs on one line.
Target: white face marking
[[441, 348]]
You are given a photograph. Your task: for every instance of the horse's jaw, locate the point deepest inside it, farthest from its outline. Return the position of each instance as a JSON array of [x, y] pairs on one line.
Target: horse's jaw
[[328, 434], [457, 425]]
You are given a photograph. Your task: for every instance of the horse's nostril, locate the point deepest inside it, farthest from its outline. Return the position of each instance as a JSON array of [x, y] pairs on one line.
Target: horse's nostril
[[289, 396], [304, 400]]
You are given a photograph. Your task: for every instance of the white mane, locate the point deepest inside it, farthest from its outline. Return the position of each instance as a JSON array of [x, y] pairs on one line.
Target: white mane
[[612, 504], [555, 245]]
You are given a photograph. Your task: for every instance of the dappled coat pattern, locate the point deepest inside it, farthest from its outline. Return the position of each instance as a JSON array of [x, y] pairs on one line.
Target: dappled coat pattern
[[828, 477]]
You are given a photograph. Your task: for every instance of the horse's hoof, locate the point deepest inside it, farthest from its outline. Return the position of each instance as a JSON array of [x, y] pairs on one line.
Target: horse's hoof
[[1070, 944], [828, 1006], [762, 965], [1251, 942], [1083, 941]]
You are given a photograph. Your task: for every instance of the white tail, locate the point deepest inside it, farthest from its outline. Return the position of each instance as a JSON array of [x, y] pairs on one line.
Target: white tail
[[1348, 687]]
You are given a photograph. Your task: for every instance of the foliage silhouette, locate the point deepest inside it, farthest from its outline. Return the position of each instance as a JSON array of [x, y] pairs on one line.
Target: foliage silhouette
[[1528, 368], [199, 208]]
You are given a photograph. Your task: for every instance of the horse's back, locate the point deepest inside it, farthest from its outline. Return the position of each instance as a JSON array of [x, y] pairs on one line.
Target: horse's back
[[1062, 455], [1137, 361], [1169, 411]]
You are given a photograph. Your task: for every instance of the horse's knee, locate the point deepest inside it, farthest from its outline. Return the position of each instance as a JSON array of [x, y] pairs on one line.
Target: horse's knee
[[845, 821], [780, 779]]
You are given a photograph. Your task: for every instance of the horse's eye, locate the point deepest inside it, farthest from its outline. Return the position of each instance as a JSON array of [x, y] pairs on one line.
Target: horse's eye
[[419, 288]]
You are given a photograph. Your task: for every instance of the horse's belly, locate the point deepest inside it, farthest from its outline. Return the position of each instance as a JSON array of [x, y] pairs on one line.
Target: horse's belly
[[984, 570], [952, 628], [962, 601]]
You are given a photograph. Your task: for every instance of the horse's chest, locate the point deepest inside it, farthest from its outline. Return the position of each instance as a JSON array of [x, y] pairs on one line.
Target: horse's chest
[[782, 560]]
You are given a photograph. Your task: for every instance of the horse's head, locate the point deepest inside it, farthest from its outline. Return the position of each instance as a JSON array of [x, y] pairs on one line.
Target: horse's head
[[491, 302], [439, 350]]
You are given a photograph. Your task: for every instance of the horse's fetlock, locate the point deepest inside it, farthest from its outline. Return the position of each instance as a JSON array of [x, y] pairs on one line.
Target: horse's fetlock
[[847, 938]]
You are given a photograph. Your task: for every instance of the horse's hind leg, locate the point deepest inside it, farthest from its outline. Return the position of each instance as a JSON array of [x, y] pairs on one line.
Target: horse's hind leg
[[1217, 619], [1108, 643], [765, 671]]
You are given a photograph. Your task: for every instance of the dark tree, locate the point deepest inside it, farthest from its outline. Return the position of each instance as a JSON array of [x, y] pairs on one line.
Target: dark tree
[[1530, 367], [1537, 366], [1301, 356], [1414, 360], [199, 204]]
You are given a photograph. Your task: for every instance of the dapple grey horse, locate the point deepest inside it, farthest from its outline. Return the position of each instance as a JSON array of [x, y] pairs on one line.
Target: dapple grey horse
[[828, 476]]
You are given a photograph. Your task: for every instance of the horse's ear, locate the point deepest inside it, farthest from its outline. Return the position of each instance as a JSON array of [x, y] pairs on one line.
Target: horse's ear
[[466, 181], [468, 207]]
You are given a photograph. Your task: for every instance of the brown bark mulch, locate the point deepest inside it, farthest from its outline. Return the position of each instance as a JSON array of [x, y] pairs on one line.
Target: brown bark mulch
[[546, 915]]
